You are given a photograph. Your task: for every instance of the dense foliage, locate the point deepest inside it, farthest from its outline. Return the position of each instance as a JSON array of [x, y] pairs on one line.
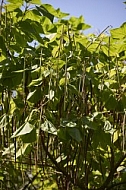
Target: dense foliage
[[63, 101]]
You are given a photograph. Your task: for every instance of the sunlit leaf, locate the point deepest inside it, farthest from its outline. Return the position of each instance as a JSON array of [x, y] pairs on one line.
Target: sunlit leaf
[[13, 6], [115, 136], [48, 127], [15, 1], [9, 150], [55, 12], [22, 150], [112, 73], [33, 15], [58, 63], [119, 32], [36, 82], [96, 173], [50, 95], [38, 2], [45, 13], [1, 178], [27, 128], [62, 81]]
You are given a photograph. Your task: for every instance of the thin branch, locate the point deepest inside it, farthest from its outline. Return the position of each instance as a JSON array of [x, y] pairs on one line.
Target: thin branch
[[116, 184], [30, 181], [99, 35], [60, 169], [1, 7], [111, 173]]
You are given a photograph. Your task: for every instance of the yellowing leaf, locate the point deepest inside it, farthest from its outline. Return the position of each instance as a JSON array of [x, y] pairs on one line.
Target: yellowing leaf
[[57, 63], [115, 136], [112, 72], [62, 81], [93, 47], [13, 6], [12, 106], [96, 172], [111, 51], [38, 2], [15, 1], [30, 14]]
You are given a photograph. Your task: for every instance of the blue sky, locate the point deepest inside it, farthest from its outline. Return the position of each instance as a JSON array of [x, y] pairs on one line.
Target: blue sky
[[98, 13]]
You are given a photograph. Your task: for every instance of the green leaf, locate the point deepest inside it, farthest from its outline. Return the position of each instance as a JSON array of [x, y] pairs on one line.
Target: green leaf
[[61, 14], [89, 123], [121, 47], [32, 15], [78, 23], [102, 139], [74, 133], [45, 13], [111, 51], [46, 24], [19, 102], [35, 96], [58, 63], [57, 13], [20, 38], [31, 30], [2, 44], [29, 137], [93, 47], [63, 134], [1, 178], [83, 26], [68, 128], [82, 40]]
